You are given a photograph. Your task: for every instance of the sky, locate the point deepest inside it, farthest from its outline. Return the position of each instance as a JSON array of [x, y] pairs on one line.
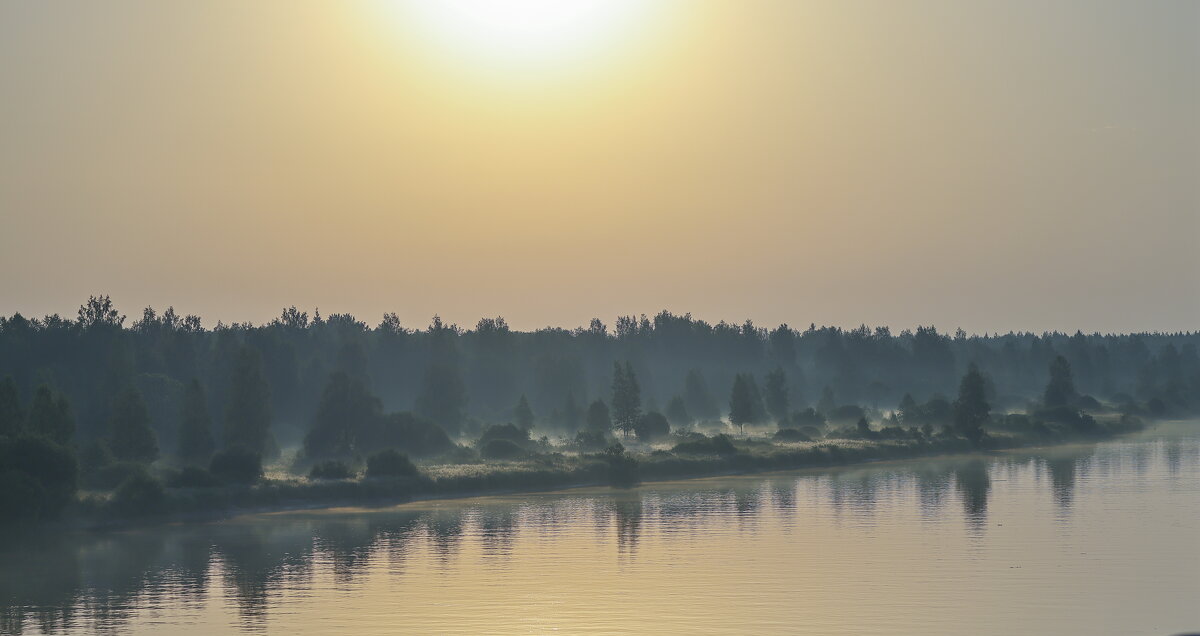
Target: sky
[[994, 166]]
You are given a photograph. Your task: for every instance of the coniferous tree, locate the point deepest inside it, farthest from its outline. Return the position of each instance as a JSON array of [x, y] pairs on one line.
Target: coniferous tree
[[523, 414], [572, 414], [130, 436], [1060, 390], [909, 412], [50, 416], [971, 409], [757, 408], [598, 419], [698, 398], [443, 396], [627, 399], [346, 417], [12, 417], [248, 412], [677, 413], [195, 440], [741, 407], [827, 403], [777, 395]]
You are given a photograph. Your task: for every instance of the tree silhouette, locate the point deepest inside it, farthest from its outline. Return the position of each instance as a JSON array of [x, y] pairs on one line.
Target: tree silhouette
[[130, 436], [741, 408], [627, 398], [248, 414], [195, 441], [777, 395], [50, 416], [1060, 390], [971, 409], [523, 414]]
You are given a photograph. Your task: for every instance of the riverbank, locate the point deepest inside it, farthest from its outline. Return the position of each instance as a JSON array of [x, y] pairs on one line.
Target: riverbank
[[549, 471]]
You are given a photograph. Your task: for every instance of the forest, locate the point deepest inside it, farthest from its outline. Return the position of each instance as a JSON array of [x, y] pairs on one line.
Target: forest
[[135, 410]]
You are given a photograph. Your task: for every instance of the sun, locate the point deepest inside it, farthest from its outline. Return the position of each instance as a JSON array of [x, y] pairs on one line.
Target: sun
[[538, 32]]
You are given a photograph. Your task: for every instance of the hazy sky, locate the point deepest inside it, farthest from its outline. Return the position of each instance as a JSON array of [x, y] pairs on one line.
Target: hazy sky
[[995, 166]]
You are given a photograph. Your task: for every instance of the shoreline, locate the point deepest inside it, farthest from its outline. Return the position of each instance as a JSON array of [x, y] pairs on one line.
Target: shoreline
[[585, 472]]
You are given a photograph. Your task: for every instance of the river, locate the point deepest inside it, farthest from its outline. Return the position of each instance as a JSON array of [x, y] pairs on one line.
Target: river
[[1086, 539]]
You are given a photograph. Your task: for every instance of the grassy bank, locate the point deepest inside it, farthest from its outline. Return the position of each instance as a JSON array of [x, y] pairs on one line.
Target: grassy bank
[[679, 457]]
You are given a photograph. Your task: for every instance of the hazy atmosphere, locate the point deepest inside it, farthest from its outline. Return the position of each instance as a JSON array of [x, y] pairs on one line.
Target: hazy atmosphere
[[600, 316], [1016, 165]]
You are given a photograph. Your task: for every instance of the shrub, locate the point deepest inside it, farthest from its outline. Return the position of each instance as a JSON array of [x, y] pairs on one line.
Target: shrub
[[30, 461], [413, 434], [390, 463], [811, 431], [505, 432], [719, 444], [113, 475], [139, 495], [808, 417], [501, 449], [622, 469], [590, 440], [193, 477], [791, 435], [332, 469], [652, 426], [237, 465]]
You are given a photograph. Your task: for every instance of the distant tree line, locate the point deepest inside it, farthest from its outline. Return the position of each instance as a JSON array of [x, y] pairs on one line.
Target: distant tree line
[[99, 397]]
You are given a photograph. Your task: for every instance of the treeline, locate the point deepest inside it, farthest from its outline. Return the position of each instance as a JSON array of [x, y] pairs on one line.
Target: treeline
[[464, 378], [102, 398]]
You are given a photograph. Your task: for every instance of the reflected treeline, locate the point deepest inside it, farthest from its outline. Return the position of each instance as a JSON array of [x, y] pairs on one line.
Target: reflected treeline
[[94, 583]]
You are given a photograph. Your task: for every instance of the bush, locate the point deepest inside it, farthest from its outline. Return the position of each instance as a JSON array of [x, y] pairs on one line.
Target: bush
[[809, 417], [332, 469], [413, 434], [38, 478], [719, 444], [113, 475], [193, 477], [811, 431], [237, 465], [846, 413], [622, 469], [501, 449], [652, 426], [590, 440], [791, 435], [138, 496], [505, 432], [390, 463]]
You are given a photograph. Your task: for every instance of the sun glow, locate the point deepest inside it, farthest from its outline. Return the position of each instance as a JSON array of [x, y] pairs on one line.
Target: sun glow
[[530, 32]]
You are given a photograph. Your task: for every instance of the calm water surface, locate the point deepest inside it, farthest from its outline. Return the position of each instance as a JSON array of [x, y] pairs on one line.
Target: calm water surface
[[1101, 539]]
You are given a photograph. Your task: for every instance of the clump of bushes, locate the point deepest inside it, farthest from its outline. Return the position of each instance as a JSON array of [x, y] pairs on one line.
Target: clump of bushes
[[193, 477], [139, 495], [590, 440], [506, 432], [622, 469], [390, 463], [718, 444], [652, 426], [501, 449], [791, 435], [237, 465], [112, 475], [332, 469]]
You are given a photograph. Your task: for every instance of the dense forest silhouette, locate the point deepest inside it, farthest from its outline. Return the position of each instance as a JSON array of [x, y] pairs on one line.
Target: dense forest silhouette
[[100, 398]]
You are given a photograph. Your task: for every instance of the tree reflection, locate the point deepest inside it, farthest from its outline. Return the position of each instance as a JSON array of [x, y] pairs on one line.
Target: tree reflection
[[973, 484], [1062, 480]]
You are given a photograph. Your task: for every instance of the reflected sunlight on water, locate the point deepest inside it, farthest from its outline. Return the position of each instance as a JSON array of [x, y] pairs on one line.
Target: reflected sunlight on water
[[1098, 539]]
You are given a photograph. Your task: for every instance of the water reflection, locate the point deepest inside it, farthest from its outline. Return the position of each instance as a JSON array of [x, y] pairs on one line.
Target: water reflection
[[102, 583]]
